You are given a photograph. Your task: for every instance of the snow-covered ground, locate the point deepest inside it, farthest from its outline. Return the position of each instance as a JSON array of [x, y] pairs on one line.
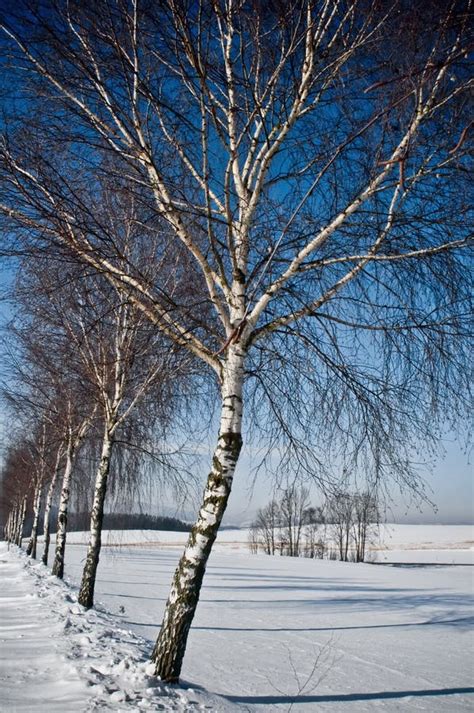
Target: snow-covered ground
[[55, 656], [270, 633], [449, 544]]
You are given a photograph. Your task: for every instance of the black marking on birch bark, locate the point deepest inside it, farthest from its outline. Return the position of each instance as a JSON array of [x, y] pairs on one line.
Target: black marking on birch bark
[[232, 442], [214, 500], [86, 592], [47, 539], [239, 276], [171, 643], [232, 396]]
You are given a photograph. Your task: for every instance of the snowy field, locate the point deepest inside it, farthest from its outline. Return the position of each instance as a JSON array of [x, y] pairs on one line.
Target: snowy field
[[270, 633], [448, 544]]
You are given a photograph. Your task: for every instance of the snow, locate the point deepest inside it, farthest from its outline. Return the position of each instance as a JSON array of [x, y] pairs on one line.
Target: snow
[[55, 656], [449, 544], [31, 647], [270, 633]]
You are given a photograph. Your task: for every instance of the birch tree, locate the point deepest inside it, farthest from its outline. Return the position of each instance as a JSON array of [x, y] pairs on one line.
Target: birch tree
[[366, 519], [116, 353], [56, 469], [38, 479], [265, 527], [340, 514], [124, 362], [111, 361], [77, 425], [36, 414], [293, 505], [307, 162]]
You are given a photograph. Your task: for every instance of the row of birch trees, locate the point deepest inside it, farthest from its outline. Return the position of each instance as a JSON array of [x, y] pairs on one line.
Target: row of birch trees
[[88, 376], [278, 191]]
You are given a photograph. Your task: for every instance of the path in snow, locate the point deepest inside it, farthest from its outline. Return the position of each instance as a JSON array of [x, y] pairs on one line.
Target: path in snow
[[34, 672]]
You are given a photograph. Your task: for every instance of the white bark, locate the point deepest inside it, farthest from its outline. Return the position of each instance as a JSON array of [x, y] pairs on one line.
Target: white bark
[[184, 595], [14, 525], [47, 509], [58, 565], [15, 521], [31, 549], [9, 527], [21, 521], [74, 441], [86, 593]]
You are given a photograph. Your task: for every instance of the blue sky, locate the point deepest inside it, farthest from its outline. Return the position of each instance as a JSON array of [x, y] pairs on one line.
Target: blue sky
[[449, 482]]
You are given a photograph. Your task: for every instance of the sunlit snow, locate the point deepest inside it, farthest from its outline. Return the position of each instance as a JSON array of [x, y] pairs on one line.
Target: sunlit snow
[[270, 633]]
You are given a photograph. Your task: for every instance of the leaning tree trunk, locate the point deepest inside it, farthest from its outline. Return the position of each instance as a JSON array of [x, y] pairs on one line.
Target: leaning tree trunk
[[21, 522], [11, 526], [47, 510], [184, 595], [15, 521], [58, 564], [31, 549], [86, 593], [14, 525]]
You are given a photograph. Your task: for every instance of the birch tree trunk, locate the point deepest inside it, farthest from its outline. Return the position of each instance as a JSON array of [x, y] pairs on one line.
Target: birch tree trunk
[[31, 549], [86, 593], [11, 520], [21, 522], [184, 595], [15, 521], [58, 564], [11, 526], [47, 511]]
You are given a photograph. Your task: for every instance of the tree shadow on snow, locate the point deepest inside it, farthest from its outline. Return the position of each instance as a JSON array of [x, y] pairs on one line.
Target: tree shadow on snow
[[466, 621], [421, 598], [349, 697]]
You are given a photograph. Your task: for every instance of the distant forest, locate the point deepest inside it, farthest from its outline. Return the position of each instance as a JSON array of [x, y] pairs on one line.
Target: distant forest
[[124, 521]]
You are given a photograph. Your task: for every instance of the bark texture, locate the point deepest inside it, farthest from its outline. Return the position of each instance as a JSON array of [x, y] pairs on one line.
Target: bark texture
[[58, 564], [13, 526], [47, 511], [21, 522], [184, 595], [86, 593], [32, 544]]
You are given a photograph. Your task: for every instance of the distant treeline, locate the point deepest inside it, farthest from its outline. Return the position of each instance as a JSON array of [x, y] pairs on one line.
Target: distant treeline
[[125, 521]]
